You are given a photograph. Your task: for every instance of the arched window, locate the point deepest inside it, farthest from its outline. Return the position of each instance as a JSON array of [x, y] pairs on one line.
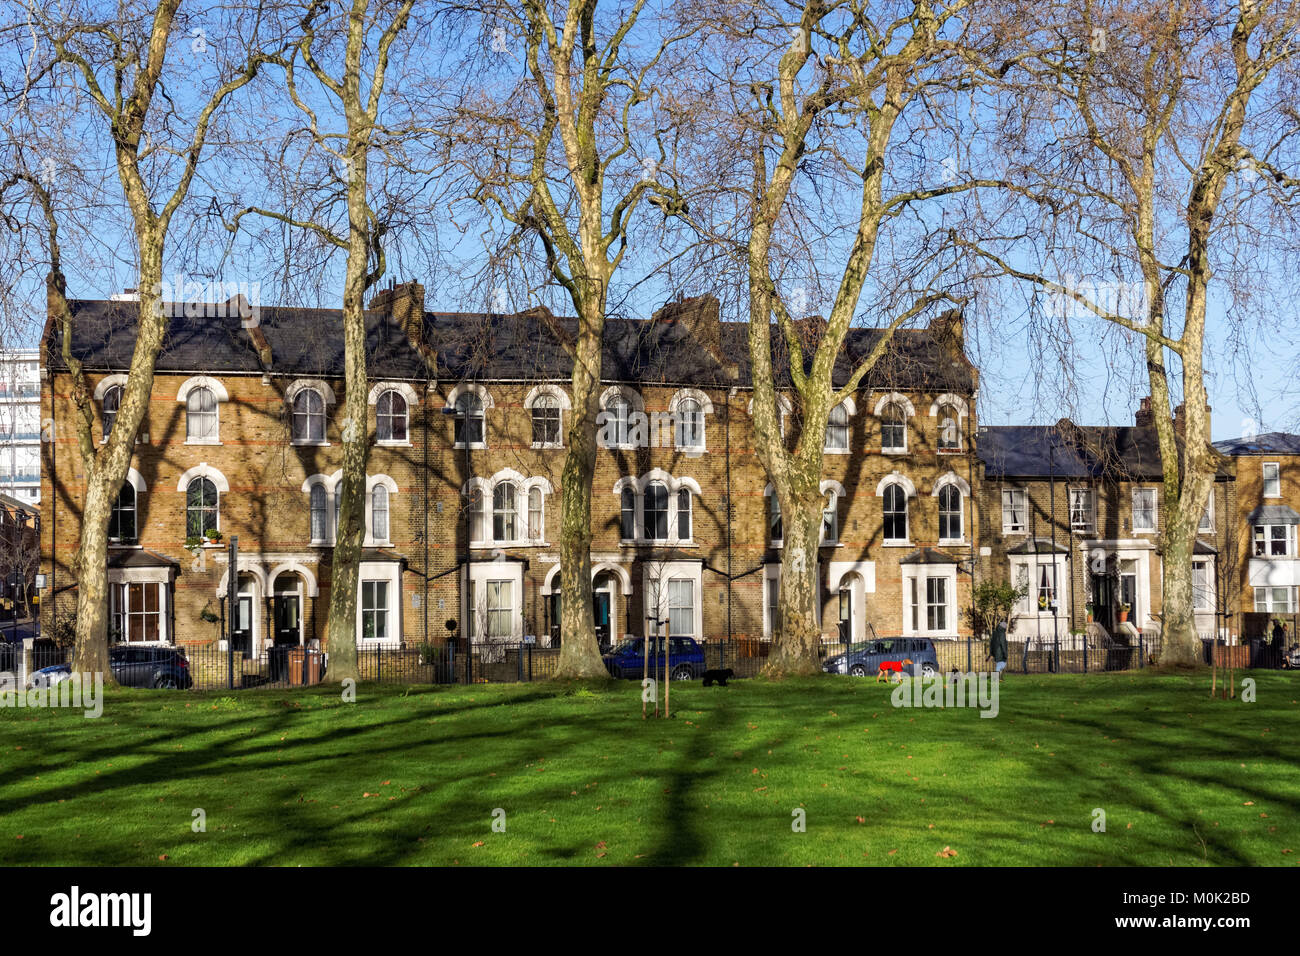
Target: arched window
[[319, 513], [837, 429], [831, 519], [112, 402], [535, 513], [121, 524], [949, 429], [308, 416], [504, 525], [200, 507], [201, 415], [690, 424], [391, 417], [546, 420], [950, 513], [893, 428], [683, 514], [656, 511], [379, 513], [338, 511], [469, 419], [776, 530], [629, 514], [477, 520], [895, 513], [619, 413]]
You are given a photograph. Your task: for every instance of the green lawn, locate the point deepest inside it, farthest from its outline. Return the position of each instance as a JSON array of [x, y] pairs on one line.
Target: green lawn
[[413, 775]]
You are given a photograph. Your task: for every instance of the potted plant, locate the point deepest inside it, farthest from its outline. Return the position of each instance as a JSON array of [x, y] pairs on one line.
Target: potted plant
[[212, 535], [1088, 607], [1042, 602], [1123, 612]]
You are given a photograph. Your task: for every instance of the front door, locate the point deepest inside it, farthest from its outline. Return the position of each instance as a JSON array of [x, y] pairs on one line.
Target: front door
[[846, 615], [1102, 601], [243, 625], [600, 609], [1128, 595], [288, 620]]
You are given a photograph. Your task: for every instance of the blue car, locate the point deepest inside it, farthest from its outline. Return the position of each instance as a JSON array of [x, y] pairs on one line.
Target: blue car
[[864, 658], [685, 658]]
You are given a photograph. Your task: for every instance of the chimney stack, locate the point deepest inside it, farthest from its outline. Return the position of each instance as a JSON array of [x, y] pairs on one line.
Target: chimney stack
[[1144, 418], [949, 330], [700, 316], [404, 303], [1180, 419]]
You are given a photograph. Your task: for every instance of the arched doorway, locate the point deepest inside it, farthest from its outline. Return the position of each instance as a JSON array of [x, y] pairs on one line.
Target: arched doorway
[[288, 595], [852, 611], [246, 616]]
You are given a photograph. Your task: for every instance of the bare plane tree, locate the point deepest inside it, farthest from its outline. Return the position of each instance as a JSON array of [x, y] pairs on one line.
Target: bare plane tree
[[1142, 141], [117, 62], [830, 101], [564, 158]]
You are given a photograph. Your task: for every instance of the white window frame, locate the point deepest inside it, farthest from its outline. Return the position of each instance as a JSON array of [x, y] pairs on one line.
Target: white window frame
[[1154, 495], [909, 412], [1269, 604], [119, 582], [461, 419], [636, 406], [1203, 597], [705, 409], [1089, 495], [219, 397], [692, 571], [920, 574], [1276, 480], [481, 574], [836, 449], [1206, 524], [326, 396], [638, 486], [523, 488], [1288, 538], [562, 403], [1009, 496], [390, 573]]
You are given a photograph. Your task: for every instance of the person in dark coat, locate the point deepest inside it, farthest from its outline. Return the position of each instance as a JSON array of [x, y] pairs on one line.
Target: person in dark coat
[[998, 647]]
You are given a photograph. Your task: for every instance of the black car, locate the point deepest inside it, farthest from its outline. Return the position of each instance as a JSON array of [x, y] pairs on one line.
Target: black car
[[161, 667]]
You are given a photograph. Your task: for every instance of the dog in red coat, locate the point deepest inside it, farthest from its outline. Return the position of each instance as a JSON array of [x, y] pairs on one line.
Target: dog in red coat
[[888, 668]]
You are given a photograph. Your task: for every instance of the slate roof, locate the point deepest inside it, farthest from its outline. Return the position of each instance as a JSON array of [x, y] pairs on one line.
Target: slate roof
[[482, 347], [1273, 514], [304, 342], [928, 556], [139, 558], [1124, 452], [1270, 443]]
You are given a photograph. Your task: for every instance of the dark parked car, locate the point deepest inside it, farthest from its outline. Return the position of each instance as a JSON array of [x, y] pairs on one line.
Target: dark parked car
[[864, 658], [165, 667], [685, 658]]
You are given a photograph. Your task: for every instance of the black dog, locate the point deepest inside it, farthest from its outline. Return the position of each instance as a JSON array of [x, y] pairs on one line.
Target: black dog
[[718, 677]]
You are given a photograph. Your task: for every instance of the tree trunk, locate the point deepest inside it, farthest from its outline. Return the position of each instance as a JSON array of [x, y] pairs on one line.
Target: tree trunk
[[795, 649], [579, 650], [355, 431]]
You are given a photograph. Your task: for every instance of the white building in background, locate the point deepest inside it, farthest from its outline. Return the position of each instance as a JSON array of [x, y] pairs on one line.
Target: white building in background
[[20, 424]]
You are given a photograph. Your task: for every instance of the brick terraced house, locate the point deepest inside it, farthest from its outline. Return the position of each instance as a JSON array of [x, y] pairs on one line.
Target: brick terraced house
[[468, 417], [1266, 553], [1072, 513]]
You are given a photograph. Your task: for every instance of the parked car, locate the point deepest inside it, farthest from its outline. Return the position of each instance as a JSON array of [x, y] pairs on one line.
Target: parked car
[[864, 658], [685, 658], [160, 667]]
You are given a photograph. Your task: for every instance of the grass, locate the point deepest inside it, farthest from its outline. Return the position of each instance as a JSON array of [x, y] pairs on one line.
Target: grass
[[413, 775]]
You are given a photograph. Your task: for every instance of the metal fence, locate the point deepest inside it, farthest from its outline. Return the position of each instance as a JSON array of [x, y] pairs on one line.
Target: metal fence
[[214, 668]]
